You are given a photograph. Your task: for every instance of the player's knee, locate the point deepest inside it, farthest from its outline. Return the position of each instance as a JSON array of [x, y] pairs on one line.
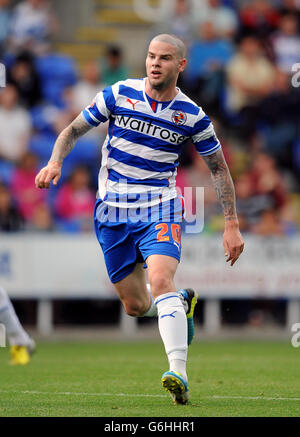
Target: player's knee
[[160, 284], [134, 307]]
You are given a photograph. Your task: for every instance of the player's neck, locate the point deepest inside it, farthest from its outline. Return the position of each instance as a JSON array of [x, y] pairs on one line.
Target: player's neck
[[164, 95]]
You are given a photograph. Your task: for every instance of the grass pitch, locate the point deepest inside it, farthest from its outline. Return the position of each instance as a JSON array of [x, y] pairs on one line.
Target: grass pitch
[[114, 379]]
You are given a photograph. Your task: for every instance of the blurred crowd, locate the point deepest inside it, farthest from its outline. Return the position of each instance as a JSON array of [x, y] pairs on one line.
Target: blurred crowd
[[242, 69]]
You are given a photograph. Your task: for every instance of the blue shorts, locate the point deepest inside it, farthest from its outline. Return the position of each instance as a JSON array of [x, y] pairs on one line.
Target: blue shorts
[[129, 236]]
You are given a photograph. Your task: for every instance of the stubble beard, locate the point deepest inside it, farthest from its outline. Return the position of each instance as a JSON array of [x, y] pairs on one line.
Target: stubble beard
[[164, 84]]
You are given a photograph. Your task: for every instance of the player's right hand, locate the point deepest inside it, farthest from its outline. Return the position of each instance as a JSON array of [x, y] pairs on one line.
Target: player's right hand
[[51, 172]]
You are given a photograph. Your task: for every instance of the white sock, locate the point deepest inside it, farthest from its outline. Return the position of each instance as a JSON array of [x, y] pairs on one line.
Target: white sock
[[178, 366], [14, 330], [173, 330], [152, 310]]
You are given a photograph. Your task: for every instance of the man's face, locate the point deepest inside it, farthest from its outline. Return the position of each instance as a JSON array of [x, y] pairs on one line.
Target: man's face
[[163, 65]]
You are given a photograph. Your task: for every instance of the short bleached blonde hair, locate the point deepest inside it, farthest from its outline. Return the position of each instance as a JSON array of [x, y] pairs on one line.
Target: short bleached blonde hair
[[174, 41]]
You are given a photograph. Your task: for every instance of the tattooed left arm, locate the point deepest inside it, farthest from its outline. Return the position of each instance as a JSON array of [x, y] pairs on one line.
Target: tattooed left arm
[[232, 239], [223, 184]]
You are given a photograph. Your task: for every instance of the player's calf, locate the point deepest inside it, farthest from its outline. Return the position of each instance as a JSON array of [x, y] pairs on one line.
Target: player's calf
[[134, 307]]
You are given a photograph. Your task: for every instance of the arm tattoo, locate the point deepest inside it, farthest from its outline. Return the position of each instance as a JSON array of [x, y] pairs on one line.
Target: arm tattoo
[[223, 183], [67, 138]]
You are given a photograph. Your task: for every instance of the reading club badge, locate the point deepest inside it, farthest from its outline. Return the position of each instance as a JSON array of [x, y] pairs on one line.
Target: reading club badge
[[179, 117]]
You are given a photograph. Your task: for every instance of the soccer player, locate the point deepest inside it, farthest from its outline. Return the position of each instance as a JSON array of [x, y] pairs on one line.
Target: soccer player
[[138, 212], [21, 345]]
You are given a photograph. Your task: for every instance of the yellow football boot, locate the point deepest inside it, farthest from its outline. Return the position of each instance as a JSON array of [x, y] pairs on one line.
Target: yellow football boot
[[19, 355]]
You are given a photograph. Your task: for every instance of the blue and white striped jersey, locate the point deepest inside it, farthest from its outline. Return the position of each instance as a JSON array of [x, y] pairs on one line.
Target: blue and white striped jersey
[[141, 152]]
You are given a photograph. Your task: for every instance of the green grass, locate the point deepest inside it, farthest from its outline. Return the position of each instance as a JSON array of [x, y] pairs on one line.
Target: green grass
[[123, 379]]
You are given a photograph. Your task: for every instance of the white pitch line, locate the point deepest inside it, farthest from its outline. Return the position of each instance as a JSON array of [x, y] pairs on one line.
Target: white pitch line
[[255, 398], [145, 395], [68, 393]]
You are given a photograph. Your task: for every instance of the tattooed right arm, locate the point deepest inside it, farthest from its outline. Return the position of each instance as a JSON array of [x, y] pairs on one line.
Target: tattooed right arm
[[67, 138], [62, 147]]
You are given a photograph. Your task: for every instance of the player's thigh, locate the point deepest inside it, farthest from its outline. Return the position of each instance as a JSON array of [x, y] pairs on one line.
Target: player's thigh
[[160, 245], [161, 271], [117, 244]]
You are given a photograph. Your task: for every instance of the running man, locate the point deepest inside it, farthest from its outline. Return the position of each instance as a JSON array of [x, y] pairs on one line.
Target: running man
[[21, 345], [138, 212]]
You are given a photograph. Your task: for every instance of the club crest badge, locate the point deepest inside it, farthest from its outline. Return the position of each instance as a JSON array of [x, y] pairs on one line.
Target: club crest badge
[[179, 117]]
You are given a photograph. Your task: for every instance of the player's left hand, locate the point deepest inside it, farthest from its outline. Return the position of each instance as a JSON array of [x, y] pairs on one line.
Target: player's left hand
[[233, 243]]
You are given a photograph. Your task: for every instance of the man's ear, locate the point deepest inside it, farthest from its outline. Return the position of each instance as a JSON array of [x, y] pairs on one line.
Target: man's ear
[[182, 65]]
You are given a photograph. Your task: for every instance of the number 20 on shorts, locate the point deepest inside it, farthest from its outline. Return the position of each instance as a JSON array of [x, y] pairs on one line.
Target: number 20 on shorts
[[164, 230]]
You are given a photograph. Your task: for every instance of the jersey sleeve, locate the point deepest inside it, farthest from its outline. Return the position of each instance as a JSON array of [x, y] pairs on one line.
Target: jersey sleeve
[[101, 107], [204, 136]]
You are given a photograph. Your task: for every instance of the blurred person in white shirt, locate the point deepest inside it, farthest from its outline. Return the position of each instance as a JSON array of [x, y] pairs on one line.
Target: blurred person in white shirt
[[33, 23], [223, 17], [286, 44], [15, 125]]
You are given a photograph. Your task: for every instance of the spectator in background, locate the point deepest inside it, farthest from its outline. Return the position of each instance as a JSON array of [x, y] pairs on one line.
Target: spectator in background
[[113, 68], [261, 196], [24, 77], [258, 18], [171, 16], [279, 112], [15, 125], [41, 219], [290, 7], [87, 87], [23, 187], [269, 224], [75, 201], [181, 21], [208, 56], [286, 44], [250, 205], [5, 17], [223, 17], [83, 93], [250, 78], [250, 75], [10, 218], [290, 217], [33, 23], [178, 18], [267, 181]]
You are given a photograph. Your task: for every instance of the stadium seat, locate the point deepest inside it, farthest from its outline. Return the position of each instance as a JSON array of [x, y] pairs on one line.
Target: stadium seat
[[56, 72], [42, 145], [68, 226], [296, 154], [6, 171], [42, 117], [8, 59]]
